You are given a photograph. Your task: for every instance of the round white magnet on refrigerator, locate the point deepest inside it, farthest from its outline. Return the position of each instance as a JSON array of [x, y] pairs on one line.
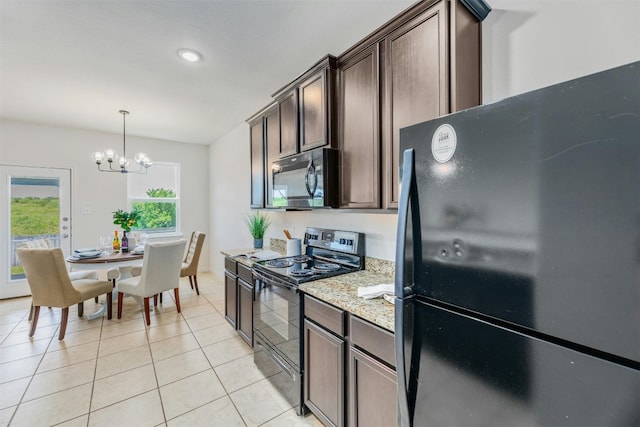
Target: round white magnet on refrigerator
[[443, 143]]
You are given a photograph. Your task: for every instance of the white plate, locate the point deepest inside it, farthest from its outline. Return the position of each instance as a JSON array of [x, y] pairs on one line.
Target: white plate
[[91, 254], [78, 251]]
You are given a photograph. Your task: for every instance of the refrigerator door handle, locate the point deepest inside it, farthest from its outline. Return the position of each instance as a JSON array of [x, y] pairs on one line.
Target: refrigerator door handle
[[408, 221]]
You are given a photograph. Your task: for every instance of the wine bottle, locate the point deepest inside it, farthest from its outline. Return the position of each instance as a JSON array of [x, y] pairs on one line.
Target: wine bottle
[[125, 242], [116, 242]]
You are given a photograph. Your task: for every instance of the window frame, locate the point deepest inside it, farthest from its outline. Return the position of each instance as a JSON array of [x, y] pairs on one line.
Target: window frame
[[131, 200]]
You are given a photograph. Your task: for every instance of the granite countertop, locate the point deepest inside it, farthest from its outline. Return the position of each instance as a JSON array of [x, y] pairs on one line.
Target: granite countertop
[[276, 245], [342, 292]]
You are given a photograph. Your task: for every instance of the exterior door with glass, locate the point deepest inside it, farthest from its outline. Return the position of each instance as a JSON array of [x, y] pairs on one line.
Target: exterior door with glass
[[36, 212]]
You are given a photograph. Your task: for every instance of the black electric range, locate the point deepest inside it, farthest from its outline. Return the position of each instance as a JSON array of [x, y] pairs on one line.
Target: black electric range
[[277, 308], [328, 253]]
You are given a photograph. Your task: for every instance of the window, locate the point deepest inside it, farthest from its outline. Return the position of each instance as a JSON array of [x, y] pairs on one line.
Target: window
[[156, 196]]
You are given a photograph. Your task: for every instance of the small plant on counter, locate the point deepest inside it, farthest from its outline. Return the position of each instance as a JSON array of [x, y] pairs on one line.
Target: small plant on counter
[[258, 224]]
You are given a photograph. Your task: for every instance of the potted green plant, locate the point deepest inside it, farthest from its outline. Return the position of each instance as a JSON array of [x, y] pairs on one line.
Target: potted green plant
[[126, 220], [258, 223]]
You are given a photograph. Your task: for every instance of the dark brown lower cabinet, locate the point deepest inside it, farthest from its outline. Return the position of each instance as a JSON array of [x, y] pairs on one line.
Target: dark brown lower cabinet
[[324, 375], [230, 298], [245, 311], [358, 391], [238, 298], [372, 391]]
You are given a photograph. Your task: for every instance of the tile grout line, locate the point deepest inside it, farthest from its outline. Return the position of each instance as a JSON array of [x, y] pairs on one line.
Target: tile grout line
[[32, 375]]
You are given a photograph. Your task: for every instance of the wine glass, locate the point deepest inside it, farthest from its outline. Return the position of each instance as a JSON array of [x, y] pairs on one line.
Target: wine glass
[[144, 237], [105, 245]]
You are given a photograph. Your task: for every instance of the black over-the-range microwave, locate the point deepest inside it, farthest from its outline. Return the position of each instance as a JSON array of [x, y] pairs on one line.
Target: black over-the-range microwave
[[306, 180]]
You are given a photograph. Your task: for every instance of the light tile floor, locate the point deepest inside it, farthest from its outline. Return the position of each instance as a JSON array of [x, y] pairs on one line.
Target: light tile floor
[[186, 369]]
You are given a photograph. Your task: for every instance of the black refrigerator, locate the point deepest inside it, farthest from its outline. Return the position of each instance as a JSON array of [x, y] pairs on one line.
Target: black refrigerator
[[518, 260]]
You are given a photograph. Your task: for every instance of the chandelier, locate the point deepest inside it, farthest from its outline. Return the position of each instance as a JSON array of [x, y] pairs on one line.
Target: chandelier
[[110, 156]]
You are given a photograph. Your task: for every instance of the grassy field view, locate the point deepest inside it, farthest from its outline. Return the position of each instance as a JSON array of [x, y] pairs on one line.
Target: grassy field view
[[32, 216]]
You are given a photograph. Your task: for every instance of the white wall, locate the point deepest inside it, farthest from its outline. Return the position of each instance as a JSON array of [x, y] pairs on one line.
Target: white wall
[[526, 45], [27, 144]]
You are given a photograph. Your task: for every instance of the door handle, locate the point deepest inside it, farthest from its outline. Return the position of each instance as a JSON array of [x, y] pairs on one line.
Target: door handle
[[405, 278]]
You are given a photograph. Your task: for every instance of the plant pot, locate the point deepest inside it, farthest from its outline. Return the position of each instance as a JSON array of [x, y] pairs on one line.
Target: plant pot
[[257, 243]]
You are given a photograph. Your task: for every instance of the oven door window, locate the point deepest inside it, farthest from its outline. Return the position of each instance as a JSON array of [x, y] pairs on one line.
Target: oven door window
[[276, 318]]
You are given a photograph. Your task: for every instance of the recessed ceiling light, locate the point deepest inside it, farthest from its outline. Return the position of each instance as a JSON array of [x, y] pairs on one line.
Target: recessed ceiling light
[[190, 55]]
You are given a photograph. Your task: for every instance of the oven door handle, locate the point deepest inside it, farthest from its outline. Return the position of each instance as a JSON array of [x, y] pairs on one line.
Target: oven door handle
[[271, 281], [282, 364]]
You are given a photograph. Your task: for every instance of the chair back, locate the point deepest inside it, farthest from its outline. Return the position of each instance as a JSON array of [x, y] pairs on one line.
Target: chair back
[[193, 253], [161, 266], [48, 278]]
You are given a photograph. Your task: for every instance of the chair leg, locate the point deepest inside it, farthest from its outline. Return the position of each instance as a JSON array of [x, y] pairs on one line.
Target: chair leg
[[120, 297], [109, 303], [176, 292], [63, 323], [191, 282], [147, 317], [80, 308], [34, 321], [160, 297], [31, 312], [96, 300], [155, 300], [195, 280]]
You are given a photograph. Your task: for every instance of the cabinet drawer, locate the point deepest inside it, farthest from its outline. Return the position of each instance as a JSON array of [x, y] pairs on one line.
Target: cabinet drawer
[[328, 316], [244, 273], [230, 265], [373, 339]]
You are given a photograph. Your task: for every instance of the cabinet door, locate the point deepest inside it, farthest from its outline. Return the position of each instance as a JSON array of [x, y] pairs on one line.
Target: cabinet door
[[313, 112], [288, 110], [257, 164], [245, 311], [272, 149], [372, 391], [230, 299], [416, 82], [324, 374], [359, 140]]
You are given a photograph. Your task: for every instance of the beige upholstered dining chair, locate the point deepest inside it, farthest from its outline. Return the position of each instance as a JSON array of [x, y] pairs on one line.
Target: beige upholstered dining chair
[[160, 272], [51, 285], [190, 262]]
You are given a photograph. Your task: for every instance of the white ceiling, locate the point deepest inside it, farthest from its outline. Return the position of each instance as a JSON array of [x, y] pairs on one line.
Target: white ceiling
[[76, 63]]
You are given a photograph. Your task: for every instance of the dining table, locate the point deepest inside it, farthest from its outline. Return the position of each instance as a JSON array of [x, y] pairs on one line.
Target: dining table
[[120, 263]]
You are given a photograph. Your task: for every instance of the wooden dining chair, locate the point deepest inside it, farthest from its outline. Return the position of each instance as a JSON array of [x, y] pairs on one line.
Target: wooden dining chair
[[190, 262], [160, 272], [51, 286]]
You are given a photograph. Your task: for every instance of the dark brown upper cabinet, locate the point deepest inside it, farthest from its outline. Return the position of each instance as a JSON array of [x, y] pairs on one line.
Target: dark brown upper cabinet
[[359, 129], [313, 112], [257, 164], [306, 108], [272, 149], [288, 111], [422, 64], [264, 133], [432, 68]]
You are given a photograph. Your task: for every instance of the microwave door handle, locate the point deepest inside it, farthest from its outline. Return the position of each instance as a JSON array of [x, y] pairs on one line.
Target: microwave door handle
[[311, 170]]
